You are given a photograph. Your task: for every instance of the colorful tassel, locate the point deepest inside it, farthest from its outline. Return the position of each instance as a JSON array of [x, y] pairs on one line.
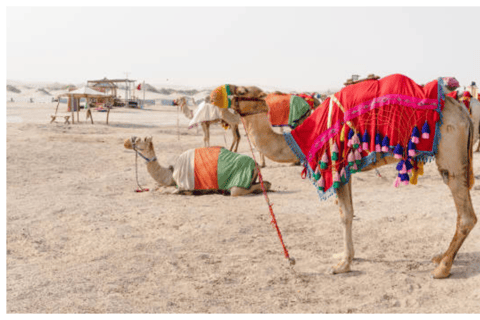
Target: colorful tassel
[[365, 140], [408, 165], [336, 180], [378, 141], [400, 165], [385, 144], [396, 183], [354, 168], [321, 184], [358, 157], [316, 175], [334, 151], [415, 135], [425, 131], [351, 158], [404, 178], [356, 141], [324, 161], [411, 149], [351, 133], [343, 175], [398, 151], [420, 168]]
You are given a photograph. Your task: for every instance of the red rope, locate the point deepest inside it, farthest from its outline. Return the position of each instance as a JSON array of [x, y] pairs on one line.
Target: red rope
[[274, 221]]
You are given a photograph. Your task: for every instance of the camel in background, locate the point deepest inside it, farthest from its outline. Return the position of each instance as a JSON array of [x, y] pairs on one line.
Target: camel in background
[[240, 172], [222, 116], [474, 109], [453, 160]]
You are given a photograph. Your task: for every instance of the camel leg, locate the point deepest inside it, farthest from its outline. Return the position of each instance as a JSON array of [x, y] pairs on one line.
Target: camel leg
[[466, 220], [257, 188], [453, 161], [236, 138], [206, 134], [254, 187], [262, 160], [344, 194]]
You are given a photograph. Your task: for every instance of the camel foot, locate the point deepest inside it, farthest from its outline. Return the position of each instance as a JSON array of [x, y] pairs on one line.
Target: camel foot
[[267, 185], [342, 267], [442, 271]]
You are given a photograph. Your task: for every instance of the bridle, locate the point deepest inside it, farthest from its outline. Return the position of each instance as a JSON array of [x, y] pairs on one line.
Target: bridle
[[236, 103], [137, 150]]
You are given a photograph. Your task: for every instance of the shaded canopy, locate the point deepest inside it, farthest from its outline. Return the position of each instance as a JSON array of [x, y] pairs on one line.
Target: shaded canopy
[[85, 92]]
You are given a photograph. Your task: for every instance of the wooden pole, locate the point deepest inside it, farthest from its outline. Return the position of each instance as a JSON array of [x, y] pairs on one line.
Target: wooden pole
[[73, 108], [143, 102], [178, 124], [78, 110], [56, 109], [108, 112]]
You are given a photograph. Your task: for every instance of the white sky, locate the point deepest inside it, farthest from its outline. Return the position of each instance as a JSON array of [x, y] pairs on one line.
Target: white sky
[[300, 48]]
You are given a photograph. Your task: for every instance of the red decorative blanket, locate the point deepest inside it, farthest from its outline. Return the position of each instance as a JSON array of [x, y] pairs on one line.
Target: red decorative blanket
[[392, 116]]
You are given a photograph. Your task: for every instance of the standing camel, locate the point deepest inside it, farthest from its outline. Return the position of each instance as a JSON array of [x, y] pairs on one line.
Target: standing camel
[[453, 158], [213, 115], [201, 170]]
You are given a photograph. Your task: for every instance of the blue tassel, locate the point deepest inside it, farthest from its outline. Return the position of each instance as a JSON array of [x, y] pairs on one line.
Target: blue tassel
[[409, 165], [404, 177], [350, 134], [400, 165], [385, 144], [398, 151], [425, 131], [415, 135], [366, 137], [378, 138]]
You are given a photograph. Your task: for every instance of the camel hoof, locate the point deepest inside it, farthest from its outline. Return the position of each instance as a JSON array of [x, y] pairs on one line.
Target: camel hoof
[[441, 272], [341, 267]]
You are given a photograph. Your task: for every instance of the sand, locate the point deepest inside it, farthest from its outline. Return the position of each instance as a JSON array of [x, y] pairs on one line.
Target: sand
[[80, 240]]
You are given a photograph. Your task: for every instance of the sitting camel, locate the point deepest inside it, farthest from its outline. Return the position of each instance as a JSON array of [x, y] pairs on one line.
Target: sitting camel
[[207, 114], [202, 170], [453, 156]]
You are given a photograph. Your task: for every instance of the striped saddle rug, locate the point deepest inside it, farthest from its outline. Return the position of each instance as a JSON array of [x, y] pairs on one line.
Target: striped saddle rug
[[213, 168], [286, 109]]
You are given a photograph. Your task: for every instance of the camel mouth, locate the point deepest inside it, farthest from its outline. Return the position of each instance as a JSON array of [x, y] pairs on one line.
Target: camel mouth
[[127, 144]]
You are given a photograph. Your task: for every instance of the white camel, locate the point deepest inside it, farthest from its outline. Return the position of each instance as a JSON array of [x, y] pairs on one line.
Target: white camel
[[453, 159], [238, 175], [222, 116]]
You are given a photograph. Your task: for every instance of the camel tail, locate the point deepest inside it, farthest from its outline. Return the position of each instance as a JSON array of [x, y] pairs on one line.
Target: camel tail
[[471, 178]]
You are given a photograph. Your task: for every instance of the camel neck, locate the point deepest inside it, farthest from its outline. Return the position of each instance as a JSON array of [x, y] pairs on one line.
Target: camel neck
[[267, 141], [162, 176]]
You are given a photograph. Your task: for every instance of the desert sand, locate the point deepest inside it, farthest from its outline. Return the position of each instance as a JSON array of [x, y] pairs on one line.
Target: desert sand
[[80, 240]]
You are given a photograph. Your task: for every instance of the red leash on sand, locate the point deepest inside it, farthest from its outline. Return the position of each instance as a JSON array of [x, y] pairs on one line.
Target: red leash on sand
[[274, 221]]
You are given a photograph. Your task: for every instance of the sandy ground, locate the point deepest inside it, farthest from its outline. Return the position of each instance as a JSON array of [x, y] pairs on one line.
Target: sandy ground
[[80, 240]]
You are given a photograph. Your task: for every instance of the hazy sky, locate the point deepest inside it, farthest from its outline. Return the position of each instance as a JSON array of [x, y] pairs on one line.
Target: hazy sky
[[301, 48]]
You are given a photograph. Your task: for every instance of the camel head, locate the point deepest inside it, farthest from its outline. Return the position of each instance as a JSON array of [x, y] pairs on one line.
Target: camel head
[[180, 101], [140, 144], [243, 100]]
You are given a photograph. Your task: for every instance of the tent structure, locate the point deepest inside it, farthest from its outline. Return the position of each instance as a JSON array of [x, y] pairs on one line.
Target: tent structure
[[76, 95]]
